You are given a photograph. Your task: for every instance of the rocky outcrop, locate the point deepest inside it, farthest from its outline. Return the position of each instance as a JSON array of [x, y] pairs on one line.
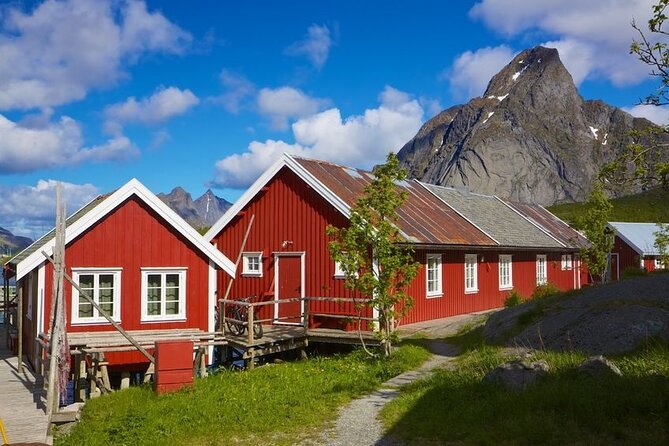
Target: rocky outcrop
[[200, 213], [611, 319], [531, 137], [518, 374], [597, 366]]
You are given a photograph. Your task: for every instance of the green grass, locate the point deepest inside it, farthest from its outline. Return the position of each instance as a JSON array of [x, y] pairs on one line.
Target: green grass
[[277, 404], [649, 206], [457, 407]]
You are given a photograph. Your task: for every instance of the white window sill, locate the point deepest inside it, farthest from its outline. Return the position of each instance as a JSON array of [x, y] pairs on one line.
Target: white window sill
[[472, 291], [434, 295], [162, 320], [339, 276], [506, 288], [94, 322], [251, 274]]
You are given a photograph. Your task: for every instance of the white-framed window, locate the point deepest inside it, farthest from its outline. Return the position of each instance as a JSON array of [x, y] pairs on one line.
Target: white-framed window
[[252, 264], [505, 272], [567, 262], [103, 285], [338, 271], [542, 278], [471, 273], [433, 275], [658, 263], [163, 294]]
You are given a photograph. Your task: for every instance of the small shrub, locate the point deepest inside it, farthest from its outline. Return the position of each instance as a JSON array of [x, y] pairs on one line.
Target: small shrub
[[545, 290], [632, 271], [513, 299]]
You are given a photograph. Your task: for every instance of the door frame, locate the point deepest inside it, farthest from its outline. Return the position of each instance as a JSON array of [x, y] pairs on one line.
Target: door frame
[[617, 266], [277, 257]]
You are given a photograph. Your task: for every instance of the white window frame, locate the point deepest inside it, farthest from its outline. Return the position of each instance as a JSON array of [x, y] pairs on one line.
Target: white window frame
[[438, 291], [506, 259], [658, 263], [96, 318], [338, 271], [567, 262], [246, 270], [469, 259], [542, 279], [181, 316]]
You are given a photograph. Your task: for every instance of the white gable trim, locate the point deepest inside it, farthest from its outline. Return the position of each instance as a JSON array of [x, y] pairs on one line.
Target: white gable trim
[[132, 187], [636, 249], [285, 161], [456, 211], [532, 222]]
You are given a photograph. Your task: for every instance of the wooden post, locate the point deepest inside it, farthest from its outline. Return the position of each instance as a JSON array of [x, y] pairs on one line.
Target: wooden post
[[221, 305], [249, 320], [80, 378], [305, 320], [125, 380], [19, 316], [5, 308]]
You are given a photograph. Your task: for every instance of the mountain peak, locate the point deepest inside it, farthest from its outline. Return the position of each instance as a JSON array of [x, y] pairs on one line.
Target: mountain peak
[[531, 137], [203, 212]]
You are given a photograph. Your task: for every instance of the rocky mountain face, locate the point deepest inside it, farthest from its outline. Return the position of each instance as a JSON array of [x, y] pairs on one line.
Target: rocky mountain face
[[200, 213], [11, 244], [531, 137]]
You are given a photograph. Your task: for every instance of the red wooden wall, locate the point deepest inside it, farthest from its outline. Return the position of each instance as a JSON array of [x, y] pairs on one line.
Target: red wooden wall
[[287, 210], [133, 236], [626, 255]]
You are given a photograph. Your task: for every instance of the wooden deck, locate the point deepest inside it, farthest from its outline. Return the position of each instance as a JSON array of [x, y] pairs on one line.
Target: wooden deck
[[22, 400]]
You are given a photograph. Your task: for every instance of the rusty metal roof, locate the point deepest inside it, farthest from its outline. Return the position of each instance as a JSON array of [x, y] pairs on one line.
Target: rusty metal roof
[[423, 218], [551, 224]]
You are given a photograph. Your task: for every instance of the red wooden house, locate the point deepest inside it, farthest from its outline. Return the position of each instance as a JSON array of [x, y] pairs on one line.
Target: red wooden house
[[473, 248], [140, 261], [633, 246]]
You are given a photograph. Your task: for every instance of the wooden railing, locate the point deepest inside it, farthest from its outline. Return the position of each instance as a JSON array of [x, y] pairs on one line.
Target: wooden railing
[[304, 316]]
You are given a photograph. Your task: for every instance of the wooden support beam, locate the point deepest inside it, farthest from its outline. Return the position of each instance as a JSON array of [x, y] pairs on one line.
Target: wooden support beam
[[19, 316]]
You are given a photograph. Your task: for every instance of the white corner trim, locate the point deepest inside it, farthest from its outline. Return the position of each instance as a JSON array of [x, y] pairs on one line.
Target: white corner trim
[[132, 187], [456, 211], [285, 161]]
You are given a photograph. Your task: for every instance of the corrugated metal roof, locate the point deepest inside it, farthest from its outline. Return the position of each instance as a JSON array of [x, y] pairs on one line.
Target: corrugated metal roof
[[641, 236], [495, 218], [52, 233], [551, 224], [423, 218]]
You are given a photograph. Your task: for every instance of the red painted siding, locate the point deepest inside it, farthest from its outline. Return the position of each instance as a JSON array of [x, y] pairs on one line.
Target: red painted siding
[[133, 236], [627, 256], [287, 210]]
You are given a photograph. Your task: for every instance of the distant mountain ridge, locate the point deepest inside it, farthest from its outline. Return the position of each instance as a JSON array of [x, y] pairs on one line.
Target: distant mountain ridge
[[531, 137], [200, 213], [11, 244]]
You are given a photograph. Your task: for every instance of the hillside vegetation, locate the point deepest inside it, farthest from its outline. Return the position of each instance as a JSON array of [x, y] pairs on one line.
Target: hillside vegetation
[[650, 206]]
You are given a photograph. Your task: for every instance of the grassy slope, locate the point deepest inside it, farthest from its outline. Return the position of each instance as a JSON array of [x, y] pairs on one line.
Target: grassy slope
[[651, 206], [276, 404], [566, 408]]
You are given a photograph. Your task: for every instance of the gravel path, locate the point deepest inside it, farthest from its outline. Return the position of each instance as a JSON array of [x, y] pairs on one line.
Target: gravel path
[[358, 423]]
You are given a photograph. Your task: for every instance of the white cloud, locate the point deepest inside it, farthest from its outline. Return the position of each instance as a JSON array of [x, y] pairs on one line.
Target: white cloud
[[58, 51], [164, 104], [593, 37], [658, 115], [238, 90], [359, 140], [315, 46], [30, 210], [25, 148], [286, 103], [472, 70]]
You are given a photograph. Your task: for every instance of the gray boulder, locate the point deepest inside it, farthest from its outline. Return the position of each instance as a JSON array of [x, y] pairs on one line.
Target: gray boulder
[[517, 374], [597, 366]]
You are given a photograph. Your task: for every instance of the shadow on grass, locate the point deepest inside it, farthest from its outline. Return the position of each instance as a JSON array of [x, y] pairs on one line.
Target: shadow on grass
[[564, 408]]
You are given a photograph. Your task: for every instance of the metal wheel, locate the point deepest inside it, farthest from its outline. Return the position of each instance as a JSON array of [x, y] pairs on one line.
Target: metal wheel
[[236, 328]]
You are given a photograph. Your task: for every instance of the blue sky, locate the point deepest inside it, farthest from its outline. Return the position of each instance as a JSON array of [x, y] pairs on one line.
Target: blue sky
[[208, 93]]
